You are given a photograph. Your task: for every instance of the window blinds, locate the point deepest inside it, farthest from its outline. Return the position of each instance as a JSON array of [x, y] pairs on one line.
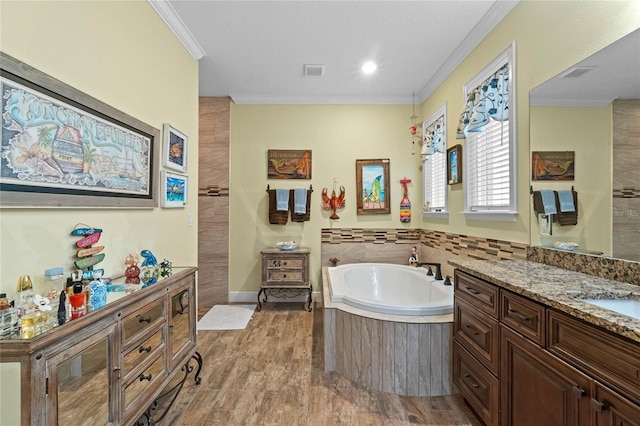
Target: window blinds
[[488, 159], [435, 181]]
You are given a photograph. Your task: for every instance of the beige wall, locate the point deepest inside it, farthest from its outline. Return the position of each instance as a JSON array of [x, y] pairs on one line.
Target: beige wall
[[587, 131], [124, 55], [337, 135], [549, 37]]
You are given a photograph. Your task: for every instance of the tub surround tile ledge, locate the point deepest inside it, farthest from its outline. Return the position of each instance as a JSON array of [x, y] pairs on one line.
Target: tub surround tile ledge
[[560, 289]]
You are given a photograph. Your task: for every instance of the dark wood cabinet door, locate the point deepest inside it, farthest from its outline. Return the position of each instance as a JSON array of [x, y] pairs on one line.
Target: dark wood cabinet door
[[611, 409], [538, 389]]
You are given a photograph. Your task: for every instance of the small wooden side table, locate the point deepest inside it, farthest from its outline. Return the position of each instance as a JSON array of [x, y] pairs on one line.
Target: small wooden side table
[[285, 272]]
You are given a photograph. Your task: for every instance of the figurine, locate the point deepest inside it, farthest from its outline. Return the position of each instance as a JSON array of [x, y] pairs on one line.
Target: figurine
[[149, 269], [132, 272], [165, 268], [62, 311], [413, 256], [335, 202]]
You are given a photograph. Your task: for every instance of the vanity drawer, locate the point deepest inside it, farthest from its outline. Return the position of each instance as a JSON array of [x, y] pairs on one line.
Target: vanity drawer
[[479, 293], [284, 276], [137, 354], [478, 333], [285, 263], [144, 383], [141, 320], [610, 359], [523, 315], [478, 386]]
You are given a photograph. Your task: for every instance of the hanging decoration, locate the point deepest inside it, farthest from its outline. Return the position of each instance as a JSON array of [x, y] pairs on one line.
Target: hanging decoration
[[335, 202], [414, 127]]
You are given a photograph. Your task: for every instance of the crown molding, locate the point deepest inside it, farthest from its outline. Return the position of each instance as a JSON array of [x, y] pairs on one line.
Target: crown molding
[[494, 15], [171, 18], [572, 102], [318, 100]]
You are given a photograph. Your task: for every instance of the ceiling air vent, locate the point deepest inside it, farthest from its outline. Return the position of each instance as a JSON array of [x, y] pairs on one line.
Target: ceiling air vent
[[576, 72], [313, 70]]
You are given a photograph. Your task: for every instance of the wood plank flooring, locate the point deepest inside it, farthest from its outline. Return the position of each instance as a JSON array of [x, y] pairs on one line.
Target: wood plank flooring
[[271, 373]]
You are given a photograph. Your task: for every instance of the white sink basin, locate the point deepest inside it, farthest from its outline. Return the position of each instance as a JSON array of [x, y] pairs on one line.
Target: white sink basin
[[628, 307]]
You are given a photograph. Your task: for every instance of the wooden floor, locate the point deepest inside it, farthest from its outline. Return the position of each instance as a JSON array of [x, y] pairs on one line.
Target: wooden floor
[[272, 373]]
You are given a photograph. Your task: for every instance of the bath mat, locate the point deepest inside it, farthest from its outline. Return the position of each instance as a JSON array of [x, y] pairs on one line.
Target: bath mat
[[226, 317]]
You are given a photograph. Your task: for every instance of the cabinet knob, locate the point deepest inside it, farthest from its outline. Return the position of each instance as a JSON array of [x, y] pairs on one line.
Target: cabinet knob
[[471, 329], [143, 377], [597, 406], [144, 349], [144, 319], [518, 315]]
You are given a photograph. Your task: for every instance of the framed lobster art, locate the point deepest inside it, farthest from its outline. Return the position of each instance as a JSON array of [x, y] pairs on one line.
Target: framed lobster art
[[372, 185]]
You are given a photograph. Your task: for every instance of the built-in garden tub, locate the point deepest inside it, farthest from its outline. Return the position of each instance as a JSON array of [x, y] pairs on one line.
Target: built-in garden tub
[[388, 328]]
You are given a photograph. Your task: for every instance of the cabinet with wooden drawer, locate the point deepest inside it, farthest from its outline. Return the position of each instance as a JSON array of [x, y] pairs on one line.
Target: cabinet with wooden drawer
[[284, 272]]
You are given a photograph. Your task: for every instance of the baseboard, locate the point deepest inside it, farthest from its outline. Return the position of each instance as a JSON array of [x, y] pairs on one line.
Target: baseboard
[[252, 296]]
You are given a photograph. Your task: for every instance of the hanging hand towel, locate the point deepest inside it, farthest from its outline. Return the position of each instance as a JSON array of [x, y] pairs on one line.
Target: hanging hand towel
[[566, 201], [282, 199], [548, 201], [300, 200], [276, 217]]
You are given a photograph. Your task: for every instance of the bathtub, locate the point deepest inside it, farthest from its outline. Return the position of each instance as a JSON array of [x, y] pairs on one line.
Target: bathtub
[[378, 335], [389, 289]]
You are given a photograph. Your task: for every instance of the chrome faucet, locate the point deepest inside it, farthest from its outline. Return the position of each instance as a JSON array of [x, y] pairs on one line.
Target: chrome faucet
[[430, 272]]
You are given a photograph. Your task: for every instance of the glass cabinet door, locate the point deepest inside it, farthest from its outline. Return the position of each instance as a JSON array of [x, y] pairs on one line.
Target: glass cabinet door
[[81, 381]]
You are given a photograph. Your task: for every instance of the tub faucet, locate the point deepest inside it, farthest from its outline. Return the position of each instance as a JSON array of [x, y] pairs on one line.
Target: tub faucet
[[437, 265]]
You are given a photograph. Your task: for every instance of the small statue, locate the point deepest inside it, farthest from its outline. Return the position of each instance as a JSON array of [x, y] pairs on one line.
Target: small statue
[[166, 268], [413, 256], [132, 272], [62, 311], [149, 269]]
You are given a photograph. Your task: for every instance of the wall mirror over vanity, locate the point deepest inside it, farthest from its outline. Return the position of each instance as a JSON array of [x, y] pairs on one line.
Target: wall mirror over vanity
[[593, 109]]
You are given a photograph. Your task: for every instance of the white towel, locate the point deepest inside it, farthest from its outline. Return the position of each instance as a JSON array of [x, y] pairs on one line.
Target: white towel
[[300, 201], [566, 201], [548, 201], [282, 200]]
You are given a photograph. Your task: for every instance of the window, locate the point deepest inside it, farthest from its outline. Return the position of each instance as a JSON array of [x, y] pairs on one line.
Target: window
[[434, 164], [488, 126]]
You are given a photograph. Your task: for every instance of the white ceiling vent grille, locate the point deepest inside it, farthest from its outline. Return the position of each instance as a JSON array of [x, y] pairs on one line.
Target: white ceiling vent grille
[[313, 70], [576, 72]]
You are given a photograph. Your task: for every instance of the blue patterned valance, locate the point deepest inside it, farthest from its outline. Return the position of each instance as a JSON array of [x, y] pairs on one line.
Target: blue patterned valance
[[433, 137], [489, 100]]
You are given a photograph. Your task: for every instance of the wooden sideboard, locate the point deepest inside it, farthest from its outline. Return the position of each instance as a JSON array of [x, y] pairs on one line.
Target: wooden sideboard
[[284, 271], [109, 366]]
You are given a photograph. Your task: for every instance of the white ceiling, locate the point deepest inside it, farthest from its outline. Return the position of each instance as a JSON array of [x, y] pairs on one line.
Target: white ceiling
[[615, 74], [254, 51]]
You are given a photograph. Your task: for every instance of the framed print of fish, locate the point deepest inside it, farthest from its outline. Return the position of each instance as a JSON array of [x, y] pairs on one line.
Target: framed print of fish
[[372, 186], [175, 149]]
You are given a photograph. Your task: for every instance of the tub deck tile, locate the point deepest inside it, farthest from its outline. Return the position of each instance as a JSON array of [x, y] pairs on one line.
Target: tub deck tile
[[388, 372], [400, 358], [413, 359]]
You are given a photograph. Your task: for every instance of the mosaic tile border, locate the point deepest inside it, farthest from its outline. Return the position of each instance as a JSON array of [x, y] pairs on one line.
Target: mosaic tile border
[[599, 266], [626, 192], [474, 247]]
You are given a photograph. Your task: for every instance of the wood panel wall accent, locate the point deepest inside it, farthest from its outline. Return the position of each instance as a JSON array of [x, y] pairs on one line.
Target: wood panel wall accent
[[394, 357], [213, 211]]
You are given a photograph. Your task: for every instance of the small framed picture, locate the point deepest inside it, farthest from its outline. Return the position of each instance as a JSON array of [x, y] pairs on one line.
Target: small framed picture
[[372, 185], [175, 149], [174, 190], [454, 164]]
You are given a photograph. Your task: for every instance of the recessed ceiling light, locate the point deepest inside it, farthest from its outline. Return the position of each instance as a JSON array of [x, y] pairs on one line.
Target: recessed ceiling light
[[369, 67]]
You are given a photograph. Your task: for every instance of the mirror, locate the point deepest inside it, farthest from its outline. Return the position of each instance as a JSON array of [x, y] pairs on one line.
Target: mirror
[[593, 110]]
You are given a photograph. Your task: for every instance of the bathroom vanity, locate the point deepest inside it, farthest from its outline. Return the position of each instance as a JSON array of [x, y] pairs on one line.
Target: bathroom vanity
[[529, 350], [109, 366]]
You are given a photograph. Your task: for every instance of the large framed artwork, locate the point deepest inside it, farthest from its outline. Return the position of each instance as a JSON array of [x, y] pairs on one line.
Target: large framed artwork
[[372, 186], [63, 148]]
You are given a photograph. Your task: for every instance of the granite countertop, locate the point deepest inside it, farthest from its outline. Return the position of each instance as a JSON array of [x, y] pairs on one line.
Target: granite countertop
[[560, 289]]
